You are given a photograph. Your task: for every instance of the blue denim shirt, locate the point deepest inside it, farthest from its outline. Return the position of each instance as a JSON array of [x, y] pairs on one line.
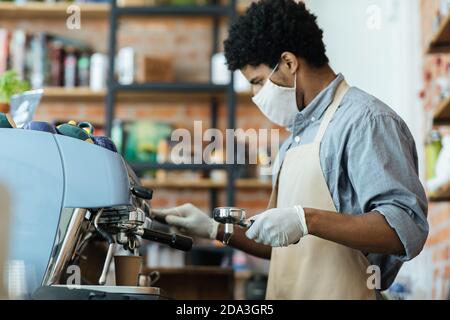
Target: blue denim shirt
[[369, 161]]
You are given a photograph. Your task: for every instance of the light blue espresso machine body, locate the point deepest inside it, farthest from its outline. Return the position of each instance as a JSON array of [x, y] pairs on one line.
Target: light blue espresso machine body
[[45, 173]]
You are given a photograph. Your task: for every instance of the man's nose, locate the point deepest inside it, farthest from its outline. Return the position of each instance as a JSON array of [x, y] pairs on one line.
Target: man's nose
[[256, 89]]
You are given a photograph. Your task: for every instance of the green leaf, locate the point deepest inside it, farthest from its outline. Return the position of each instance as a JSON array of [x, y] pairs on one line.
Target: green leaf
[[10, 84]]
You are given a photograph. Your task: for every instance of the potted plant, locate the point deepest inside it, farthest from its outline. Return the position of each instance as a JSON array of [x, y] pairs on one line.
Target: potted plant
[[10, 84]]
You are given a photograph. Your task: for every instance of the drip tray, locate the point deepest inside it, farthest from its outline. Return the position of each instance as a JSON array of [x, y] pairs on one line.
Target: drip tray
[[115, 289]]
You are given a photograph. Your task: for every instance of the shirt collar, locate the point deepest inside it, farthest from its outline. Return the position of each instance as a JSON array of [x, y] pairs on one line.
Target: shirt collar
[[320, 103]]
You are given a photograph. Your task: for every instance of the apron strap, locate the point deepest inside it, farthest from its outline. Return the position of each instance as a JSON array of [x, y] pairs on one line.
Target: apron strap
[[338, 96], [329, 113]]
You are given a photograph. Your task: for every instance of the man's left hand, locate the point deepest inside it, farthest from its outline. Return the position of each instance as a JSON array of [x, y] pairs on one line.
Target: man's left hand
[[278, 227]]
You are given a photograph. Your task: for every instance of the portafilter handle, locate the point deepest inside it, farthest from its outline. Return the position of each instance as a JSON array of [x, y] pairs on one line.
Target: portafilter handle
[[175, 241]]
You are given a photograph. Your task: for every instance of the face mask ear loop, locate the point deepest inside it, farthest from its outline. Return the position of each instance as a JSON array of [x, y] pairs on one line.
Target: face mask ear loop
[[273, 71]]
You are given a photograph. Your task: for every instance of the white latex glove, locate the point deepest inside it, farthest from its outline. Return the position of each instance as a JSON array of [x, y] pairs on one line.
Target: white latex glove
[[190, 220], [278, 227]]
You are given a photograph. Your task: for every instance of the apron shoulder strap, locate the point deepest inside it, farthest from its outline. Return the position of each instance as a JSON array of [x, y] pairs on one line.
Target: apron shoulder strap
[[338, 96]]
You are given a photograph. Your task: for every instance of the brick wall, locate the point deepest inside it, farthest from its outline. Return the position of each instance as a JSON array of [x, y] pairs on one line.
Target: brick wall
[[439, 214], [188, 42]]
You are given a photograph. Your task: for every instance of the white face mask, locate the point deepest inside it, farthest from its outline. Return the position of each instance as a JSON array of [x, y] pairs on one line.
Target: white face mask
[[279, 104]]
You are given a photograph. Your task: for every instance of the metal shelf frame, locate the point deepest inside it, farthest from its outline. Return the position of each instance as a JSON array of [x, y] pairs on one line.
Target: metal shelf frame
[[216, 12]]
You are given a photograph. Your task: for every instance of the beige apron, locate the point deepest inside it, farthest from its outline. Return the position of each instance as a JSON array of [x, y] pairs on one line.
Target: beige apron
[[314, 268]]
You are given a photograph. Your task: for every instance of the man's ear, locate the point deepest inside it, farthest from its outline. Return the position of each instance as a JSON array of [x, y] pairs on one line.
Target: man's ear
[[291, 61]]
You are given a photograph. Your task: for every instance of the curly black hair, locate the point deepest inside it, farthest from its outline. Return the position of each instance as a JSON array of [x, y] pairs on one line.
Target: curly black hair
[[271, 27]]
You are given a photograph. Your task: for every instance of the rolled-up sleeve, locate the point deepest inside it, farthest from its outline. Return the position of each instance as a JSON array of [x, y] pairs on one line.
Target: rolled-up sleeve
[[383, 169]]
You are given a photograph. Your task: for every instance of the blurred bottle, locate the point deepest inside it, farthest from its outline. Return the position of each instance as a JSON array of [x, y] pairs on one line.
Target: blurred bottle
[[126, 65], [83, 67], [70, 68], [432, 150], [37, 58], [99, 69], [443, 83], [56, 56], [441, 167], [18, 52]]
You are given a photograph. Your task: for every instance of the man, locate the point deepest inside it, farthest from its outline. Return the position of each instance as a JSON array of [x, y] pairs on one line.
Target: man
[[346, 191]]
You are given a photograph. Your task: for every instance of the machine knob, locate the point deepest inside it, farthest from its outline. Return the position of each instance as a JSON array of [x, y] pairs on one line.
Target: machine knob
[[142, 193]]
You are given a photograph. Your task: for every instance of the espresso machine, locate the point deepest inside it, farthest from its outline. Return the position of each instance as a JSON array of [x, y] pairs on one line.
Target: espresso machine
[[72, 204]]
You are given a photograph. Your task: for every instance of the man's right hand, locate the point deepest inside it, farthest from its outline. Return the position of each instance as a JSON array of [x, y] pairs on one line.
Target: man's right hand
[[190, 220]]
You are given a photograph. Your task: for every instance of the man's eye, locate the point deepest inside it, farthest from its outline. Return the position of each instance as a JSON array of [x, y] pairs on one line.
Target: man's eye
[[257, 82]]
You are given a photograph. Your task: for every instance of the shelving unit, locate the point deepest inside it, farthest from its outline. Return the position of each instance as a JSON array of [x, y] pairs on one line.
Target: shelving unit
[[215, 11], [440, 42], [443, 194], [42, 10]]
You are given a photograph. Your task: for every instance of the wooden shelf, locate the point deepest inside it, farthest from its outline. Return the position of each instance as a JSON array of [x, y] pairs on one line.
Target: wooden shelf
[[205, 184], [441, 40], [443, 194], [442, 112], [85, 94], [177, 97], [42, 10], [80, 93]]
